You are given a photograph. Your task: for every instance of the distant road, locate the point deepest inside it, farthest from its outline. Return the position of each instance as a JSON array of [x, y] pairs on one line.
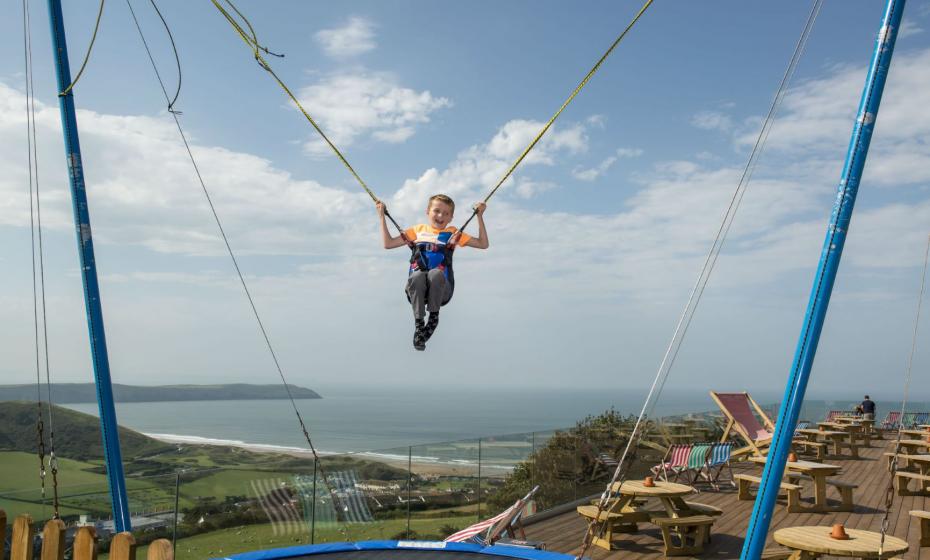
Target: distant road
[[71, 393]]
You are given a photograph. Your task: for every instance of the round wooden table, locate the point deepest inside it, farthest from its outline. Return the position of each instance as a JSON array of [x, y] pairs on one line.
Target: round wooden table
[[638, 489], [815, 541], [669, 494]]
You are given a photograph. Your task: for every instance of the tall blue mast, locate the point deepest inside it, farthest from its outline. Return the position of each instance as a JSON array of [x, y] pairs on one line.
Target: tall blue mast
[[98, 342], [823, 281]]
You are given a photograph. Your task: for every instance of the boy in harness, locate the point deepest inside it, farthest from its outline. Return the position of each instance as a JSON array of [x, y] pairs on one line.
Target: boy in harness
[[431, 280]]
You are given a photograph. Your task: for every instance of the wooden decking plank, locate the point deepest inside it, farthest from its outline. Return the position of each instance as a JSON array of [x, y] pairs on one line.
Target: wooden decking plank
[[564, 533]]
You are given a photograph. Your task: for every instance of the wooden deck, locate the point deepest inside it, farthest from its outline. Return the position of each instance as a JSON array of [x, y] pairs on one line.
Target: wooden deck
[[565, 532]]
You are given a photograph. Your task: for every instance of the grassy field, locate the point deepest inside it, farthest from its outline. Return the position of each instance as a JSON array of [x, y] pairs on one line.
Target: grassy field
[[20, 471], [228, 482], [20, 485]]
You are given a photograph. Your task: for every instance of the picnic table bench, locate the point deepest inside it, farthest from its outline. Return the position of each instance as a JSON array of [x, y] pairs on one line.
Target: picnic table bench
[[745, 482], [855, 432], [626, 509], [839, 439], [819, 474]]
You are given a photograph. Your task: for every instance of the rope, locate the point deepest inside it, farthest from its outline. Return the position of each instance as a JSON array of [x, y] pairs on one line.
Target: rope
[[889, 492], [251, 40], [35, 223], [545, 128], [177, 58], [235, 261], [697, 291], [90, 47]]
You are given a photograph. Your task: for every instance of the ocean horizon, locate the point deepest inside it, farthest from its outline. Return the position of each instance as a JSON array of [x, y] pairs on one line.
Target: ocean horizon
[[386, 422]]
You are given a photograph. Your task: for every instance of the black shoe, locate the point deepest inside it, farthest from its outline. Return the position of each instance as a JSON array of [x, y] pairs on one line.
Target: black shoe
[[419, 336], [431, 325]]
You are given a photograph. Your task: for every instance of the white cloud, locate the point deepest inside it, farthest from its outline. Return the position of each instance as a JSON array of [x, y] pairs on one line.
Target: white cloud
[[354, 38], [528, 189], [516, 135], [619, 276], [629, 152], [593, 173], [600, 169], [712, 120], [351, 105], [909, 28], [478, 168], [156, 202], [816, 121]]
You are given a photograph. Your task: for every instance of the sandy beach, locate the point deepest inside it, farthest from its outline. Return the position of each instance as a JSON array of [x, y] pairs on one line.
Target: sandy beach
[[422, 466]]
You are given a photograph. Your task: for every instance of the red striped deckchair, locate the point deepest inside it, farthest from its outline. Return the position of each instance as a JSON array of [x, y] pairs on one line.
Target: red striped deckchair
[[892, 420], [675, 461], [495, 526]]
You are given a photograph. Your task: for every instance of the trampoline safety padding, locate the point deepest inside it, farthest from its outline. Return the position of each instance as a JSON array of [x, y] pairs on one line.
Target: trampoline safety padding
[[393, 550]]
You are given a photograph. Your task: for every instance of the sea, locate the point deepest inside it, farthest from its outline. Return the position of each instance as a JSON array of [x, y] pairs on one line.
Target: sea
[[389, 420]]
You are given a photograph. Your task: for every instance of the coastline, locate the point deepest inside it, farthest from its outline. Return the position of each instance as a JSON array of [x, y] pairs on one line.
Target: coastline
[[422, 466]]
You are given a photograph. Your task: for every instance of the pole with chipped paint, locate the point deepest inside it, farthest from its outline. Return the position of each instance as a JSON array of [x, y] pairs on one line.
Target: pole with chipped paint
[[98, 342], [823, 281]]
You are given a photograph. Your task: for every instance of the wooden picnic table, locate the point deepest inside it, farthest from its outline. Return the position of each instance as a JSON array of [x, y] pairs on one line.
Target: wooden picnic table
[[669, 494], [622, 515], [922, 462], [854, 431], [914, 432], [837, 438], [867, 424], [913, 446], [813, 542], [819, 474]]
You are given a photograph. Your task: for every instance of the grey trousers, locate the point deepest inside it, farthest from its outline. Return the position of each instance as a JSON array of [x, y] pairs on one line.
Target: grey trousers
[[426, 290]]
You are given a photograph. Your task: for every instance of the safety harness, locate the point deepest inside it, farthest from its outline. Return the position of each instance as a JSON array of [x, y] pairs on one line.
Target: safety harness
[[426, 256]]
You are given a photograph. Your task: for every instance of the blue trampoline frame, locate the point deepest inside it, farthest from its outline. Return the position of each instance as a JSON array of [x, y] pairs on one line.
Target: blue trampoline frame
[[436, 546]]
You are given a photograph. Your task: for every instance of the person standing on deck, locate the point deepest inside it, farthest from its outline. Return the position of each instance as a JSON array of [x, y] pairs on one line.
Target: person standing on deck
[[868, 408]]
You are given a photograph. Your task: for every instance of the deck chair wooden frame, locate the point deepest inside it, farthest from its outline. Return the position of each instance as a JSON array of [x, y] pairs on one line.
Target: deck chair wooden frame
[[754, 445]]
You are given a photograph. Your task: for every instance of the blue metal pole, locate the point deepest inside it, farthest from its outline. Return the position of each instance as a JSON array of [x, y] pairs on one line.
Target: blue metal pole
[[98, 343], [823, 281]]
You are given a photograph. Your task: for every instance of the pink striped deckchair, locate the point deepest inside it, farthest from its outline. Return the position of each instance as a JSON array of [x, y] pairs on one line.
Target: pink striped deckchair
[[742, 420], [675, 461], [892, 420], [495, 526]]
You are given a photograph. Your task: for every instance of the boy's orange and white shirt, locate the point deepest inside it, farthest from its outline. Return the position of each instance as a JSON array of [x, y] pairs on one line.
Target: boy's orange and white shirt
[[425, 233], [432, 244]]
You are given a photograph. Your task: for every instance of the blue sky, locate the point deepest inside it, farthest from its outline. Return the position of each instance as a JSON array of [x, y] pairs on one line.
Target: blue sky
[[594, 245]]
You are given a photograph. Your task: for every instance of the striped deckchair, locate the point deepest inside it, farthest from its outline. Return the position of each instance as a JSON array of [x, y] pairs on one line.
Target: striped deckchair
[[921, 418], [802, 425], [675, 461], [892, 420], [719, 460], [909, 420], [504, 522], [697, 461]]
